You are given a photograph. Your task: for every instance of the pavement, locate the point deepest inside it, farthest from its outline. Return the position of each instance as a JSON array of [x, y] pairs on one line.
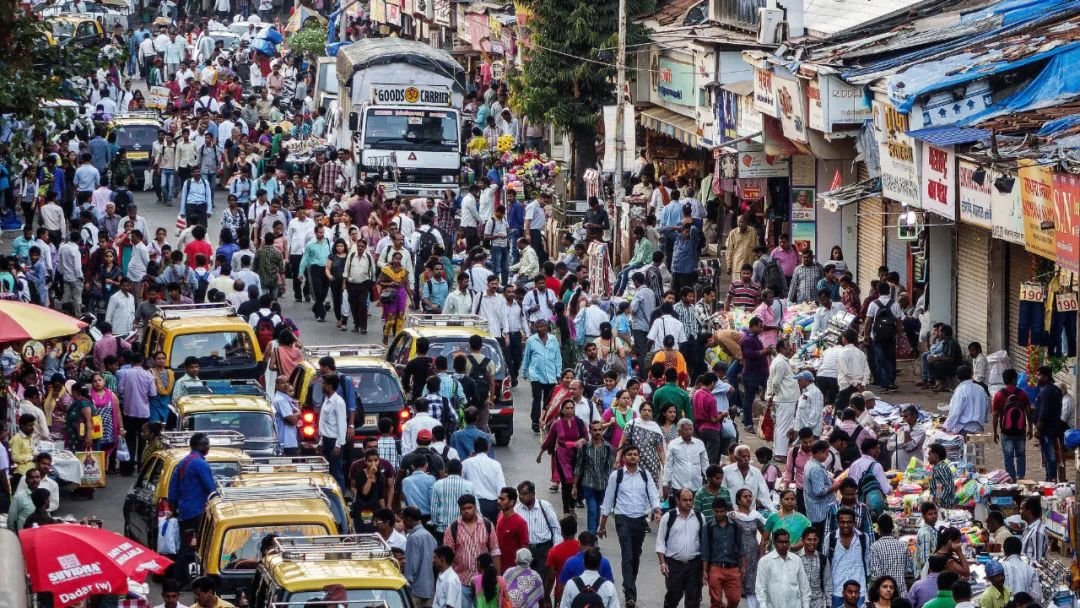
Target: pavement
[[518, 459]]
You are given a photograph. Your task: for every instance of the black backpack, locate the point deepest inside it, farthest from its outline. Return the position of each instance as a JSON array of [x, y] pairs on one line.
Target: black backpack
[[426, 246], [587, 596], [454, 528], [481, 378], [673, 514], [772, 278], [852, 452], [885, 323]]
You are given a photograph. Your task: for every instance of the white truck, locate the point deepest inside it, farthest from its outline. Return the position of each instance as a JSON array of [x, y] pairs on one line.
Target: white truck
[[399, 111]]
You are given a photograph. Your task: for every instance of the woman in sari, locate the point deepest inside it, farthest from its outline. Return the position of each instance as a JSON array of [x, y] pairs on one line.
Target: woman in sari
[[371, 233], [523, 584], [644, 433], [163, 386], [750, 523], [566, 436], [151, 434], [787, 518], [670, 357], [108, 406], [287, 355], [394, 294], [618, 416], [560, 393]]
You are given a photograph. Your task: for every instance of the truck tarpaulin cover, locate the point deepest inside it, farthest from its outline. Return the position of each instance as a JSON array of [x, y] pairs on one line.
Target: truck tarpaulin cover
[[370, 52]]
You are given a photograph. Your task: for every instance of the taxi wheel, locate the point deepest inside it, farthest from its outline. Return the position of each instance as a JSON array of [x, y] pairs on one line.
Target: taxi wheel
[[502, 439]]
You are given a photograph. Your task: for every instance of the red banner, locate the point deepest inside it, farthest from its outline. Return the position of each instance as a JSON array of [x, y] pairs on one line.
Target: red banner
[[1067, 220]]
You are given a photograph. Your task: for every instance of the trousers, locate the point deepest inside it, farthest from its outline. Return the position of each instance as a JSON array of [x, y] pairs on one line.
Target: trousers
[[1031, 329], [725, 582], [358, 294], [683, 581], [1062, 323], [540, 395], [513, 352], [631, 533], [1015, 453], [751, 385]]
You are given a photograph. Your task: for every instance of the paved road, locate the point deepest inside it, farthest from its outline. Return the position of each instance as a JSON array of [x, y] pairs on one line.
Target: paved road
[[518, 459]]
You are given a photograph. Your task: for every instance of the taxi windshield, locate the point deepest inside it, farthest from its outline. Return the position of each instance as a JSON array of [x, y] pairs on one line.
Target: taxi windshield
[[240, 547], [374, 386], [378, 597], [62, 29], [213, 349], [224, 470], [450, 348], [131, 135], [252, 425]]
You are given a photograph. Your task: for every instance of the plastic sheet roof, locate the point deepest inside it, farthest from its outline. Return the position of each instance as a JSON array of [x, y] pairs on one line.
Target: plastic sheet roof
[[949, 136], [368, 52]]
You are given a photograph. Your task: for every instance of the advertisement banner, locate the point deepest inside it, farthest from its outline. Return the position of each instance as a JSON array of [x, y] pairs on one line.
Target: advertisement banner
[[939, 180], [675, 83], [747, 117], [975, 207], [845, 104], [755, 163], [1007, 212], [792, 106], [802, 205], [764, 92], [1037, 197], [897, 153], [804, 236], [815, 111], [1067, 220], [727, 110]]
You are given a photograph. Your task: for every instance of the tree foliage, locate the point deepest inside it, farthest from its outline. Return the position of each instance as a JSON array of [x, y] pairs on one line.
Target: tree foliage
[[311, 39]]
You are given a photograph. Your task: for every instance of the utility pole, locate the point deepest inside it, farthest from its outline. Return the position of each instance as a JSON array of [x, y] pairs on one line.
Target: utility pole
[[620, 86]]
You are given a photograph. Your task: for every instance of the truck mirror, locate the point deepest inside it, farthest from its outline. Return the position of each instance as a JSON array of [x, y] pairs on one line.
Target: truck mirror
[[354, 121]]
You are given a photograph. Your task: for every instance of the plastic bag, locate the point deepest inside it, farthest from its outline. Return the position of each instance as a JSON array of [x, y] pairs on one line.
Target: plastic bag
[[122, 453], [168, 540]]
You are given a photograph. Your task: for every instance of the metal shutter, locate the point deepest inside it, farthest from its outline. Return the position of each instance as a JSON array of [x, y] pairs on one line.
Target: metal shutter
[[871, 214], [896, 251], [1019, 270], [972, 285]]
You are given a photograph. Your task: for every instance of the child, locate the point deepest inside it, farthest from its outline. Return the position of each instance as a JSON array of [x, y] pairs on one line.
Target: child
[[942, 481], [980, 367], [769, 470]]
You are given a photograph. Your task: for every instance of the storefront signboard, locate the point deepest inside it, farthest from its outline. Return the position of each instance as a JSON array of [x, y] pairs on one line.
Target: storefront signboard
[[975, 207], [1036, 184]]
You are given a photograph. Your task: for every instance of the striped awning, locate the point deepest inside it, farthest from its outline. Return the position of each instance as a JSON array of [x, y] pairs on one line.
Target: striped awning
[[670, 123]]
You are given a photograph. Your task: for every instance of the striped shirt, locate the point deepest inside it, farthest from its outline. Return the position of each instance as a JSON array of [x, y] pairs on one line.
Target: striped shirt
[[925, 542], [444, 497], [744, 295], [817, 574], [1033, 541], [863, 520], [689, 317], [543, 523], [470, 542], [389, 451], [943, 485], [593, 465]]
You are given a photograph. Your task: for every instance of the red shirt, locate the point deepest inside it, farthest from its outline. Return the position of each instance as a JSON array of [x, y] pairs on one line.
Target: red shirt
[[553, 284], [195, 248], [556, 559], [513, 534], [998, 405]]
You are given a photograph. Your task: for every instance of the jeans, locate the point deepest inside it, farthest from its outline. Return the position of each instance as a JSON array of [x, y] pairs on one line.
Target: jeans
[[1048, 444], [751, 385], [167, 190], [885, 360], [593, 498], [540, 395], [335, 461], [624, 277], [500, 263], [513, 352], [713, 440], [536, 239], [515, 253], [196, 214], [631, 532], [1015, 452], [1031, 328], [468, 597], [641, 349], [1063, 322]]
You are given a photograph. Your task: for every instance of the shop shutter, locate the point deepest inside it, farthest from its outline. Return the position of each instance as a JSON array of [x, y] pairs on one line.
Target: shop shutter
[[896, 251], [871, 212], [972, 285], [1019, 270]]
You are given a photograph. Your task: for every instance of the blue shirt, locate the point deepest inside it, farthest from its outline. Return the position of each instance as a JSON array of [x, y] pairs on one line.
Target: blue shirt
[[515, 216], [20, 247], [671, 215], [463, 441], [283, 408], [417, 491], [436, 291], [100, 153], [575, 566], [684, 256], [542, 362], [191, 485]]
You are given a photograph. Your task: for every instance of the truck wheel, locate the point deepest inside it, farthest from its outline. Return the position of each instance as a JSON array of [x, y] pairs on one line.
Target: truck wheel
[[502, 439]]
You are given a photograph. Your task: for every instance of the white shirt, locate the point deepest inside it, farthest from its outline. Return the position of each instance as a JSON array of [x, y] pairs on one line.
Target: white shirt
[[1020, 577], [493, 308], [301, 232], [451, 453], [754, 481], [534, 215], [543, 523], [48, 484], [419, 422], [120, 313], [781, 385], [447, 590], [683, 542], [396, 541], [458, 303], [781, 582], [829, 361], [686, 464], [851, 367], [606, 590], [822, 316], [545, 301], [333, 421], [586, 411], [485, 474], [667, 325], [470, 214], [808, 411], [478, 276], [487, 202], [637, 497], [593, 316]]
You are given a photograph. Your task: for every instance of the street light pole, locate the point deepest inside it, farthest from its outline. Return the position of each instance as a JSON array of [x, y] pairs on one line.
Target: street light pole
[[620, 86]]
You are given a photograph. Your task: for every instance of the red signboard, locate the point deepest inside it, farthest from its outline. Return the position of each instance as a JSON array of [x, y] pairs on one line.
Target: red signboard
[[1067, 221]]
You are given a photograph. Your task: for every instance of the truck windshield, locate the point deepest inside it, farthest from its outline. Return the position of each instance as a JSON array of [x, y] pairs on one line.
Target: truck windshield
[[399, 129], [328, 78]]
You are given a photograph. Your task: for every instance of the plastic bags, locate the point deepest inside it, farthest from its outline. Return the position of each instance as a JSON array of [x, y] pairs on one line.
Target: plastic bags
[[122, 453], [168, 540]]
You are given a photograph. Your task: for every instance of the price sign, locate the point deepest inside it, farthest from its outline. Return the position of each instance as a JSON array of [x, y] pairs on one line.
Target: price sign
[[1066, 302], [1032, 292]]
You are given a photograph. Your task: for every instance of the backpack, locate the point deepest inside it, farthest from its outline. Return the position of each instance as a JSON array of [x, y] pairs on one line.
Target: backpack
[[870, 492], [426, 246], [885, 323], [852, 452], [454, 528], [672, 514], [1014, 416], [264, 330], [618, 482], [481, 377], [203, 284], [772, 278], [587, 596]]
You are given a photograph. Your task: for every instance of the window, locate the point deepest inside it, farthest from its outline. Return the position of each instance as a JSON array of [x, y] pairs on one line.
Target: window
[[426, 130], [224, 470], [375, 387], [150, 475], [452, 348], [392, 597], [250, 424], [86, 30], [213, 349], [240, 546], [131, 135]]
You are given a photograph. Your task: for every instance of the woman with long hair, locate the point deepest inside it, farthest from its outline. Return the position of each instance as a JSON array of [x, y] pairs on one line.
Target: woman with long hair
[[287, 354], [613, 350], [151, 436], [787, 518], [644, 433], [750, 524], [107, 281], [394, 294], [335, 273], [567, 335], [949, 544], [667, 419], [108, 406], [163, 387], [618, 416], [79, 429], [562, 442], [488, 587], [882, 592]]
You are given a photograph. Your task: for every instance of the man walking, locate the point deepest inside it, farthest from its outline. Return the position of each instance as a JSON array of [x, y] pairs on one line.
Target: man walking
[[543, 524], [592, 464], [419, 555], [333, 426], [782, 392], [847, 551], [1012, 421], [687, 461], [781, 580], [631, 497], [678, 549]]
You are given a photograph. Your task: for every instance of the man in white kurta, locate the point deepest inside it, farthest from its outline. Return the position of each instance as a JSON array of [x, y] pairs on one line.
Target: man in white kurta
[[781, 580], [782, 392]]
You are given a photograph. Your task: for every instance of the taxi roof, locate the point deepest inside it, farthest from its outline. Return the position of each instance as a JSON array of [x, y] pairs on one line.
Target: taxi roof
[[320, 479], [204, 324], [136, 120], [353, 362], [216, 454], [283, 511], [193, 404], [74, 17], [449, 332], [297, 576]]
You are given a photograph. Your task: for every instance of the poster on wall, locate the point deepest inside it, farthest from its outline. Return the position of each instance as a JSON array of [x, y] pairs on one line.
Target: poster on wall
[[803, 167], [1037, 197], [727, 104], [755, 163], [815, 110], [975, 207], [378, 11], [792, 107], [764, 92], [1067, 220], [1007, 212], [897, 153], [938, 180], [803, 235], [802, 205]]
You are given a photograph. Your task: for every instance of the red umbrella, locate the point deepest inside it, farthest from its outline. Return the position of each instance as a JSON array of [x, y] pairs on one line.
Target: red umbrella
[[73, 562]]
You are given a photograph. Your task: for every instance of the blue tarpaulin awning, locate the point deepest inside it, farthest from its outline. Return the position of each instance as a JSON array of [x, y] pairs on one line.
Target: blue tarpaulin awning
[[1055, 84], [949, 135], [1059, 124]]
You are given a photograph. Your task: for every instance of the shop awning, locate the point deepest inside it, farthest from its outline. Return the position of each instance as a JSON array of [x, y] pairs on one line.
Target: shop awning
[[949, 135], [672, 124], [834, 199]]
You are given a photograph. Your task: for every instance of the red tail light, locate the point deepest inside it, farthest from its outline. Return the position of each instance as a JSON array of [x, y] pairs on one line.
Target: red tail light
[[404, 414], [309, 432], [506, 394], [163, 508], [309, 417]]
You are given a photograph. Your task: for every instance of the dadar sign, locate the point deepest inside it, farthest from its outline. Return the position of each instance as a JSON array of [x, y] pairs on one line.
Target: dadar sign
[[939, 181]]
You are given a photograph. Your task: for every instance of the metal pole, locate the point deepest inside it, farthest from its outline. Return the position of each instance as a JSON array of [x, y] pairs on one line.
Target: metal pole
[[620, 86]]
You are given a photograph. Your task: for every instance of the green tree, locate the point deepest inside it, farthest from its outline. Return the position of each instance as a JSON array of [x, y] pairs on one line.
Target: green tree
[[569, 67], [311, 39]]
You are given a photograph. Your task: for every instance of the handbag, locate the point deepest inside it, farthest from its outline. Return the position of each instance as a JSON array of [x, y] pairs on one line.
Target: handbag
[[97, 430], [92, 473], [387, 296]]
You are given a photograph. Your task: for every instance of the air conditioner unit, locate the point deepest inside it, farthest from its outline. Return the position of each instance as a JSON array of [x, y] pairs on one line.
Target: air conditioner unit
[[769, 20]]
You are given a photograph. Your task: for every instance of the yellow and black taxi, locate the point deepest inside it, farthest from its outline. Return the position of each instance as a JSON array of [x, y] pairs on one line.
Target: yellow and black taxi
[[237, 519], [78, 29], [375, 383], [221, 340], [136, 133], [289, 470], [148, 499], [448, 336], [223, 405], [297, 571]]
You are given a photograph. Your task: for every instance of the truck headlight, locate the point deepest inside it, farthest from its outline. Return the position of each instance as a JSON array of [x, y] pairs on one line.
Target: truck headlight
[[449, 179]]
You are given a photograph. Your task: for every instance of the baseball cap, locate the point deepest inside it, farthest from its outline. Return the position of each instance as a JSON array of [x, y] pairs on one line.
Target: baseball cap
[[424, 435], [868, 395]]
